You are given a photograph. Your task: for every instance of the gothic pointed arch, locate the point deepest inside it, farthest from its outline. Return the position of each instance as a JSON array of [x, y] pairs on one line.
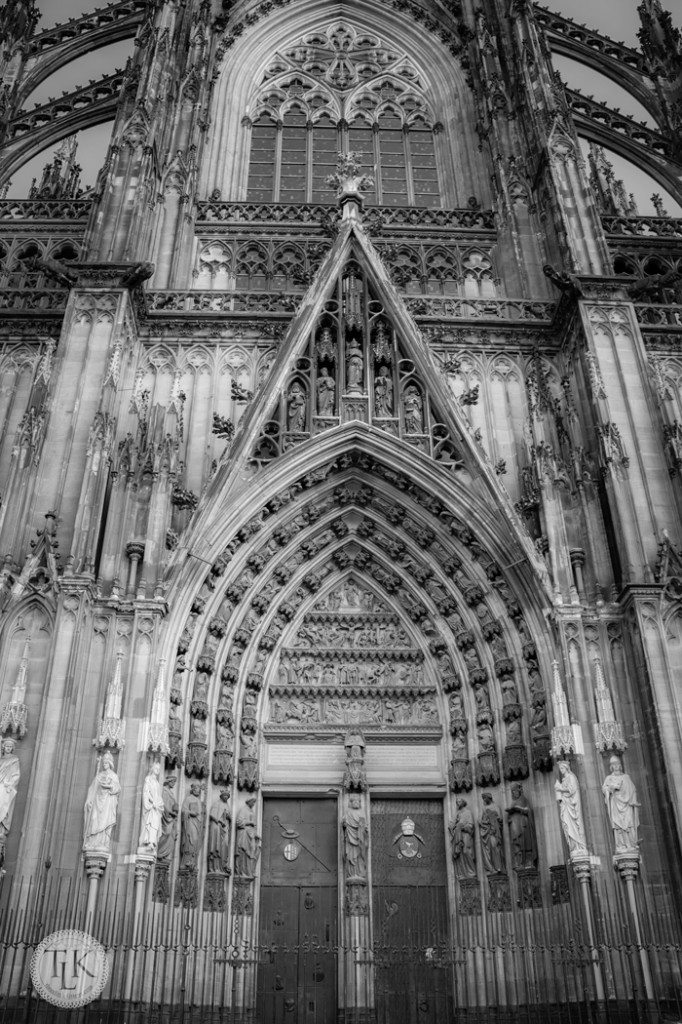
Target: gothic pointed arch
[[358, 597], [306, 58]]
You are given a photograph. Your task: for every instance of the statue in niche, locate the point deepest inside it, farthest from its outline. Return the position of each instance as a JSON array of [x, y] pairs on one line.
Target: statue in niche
[[490, 831], [482, 698], [101, 807], [383, 393], [224, 737], [356, 841], [198, 731], [413, 408], [514, 738], [456, 702], [296, 403], [538, 720], [567, 792], [247, 846], [459, 747], [326, 389], [249, 723], [462, 841], [152, 810], [354, 367], [169, 822], [10, 774], [623, 807], [486, 737], [509, 692], [191, 828], [521, 821], [219, 822]]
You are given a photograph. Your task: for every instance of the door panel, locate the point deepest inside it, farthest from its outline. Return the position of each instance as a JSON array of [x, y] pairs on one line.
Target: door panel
[[410, 904], [298, 916]]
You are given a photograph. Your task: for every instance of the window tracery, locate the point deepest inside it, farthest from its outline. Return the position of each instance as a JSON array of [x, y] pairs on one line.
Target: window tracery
[[341, 91]]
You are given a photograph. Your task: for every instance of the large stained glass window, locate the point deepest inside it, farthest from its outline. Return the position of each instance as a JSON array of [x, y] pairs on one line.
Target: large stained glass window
[[336, 92]]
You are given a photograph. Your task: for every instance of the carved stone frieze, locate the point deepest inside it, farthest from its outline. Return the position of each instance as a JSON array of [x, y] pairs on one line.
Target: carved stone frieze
[[394, 709]]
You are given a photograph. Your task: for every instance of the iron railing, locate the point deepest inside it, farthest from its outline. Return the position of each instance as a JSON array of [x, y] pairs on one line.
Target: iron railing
[[173, 965]]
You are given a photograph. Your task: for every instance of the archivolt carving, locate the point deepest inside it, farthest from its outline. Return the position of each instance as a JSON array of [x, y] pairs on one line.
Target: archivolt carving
[[449, 606]]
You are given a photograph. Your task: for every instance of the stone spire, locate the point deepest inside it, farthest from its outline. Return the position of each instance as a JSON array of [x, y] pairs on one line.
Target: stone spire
[[563, 734], [157, 741], [14, 716], [62, 176], [112, 727], [661, 41], [608, 733], [609, 190]]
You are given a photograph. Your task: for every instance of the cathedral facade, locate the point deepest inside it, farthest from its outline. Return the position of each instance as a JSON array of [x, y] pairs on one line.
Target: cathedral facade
[[341, 520]]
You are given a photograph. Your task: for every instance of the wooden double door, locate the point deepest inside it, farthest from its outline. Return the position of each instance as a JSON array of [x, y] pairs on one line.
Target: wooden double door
[[408, 977], [298, 912]]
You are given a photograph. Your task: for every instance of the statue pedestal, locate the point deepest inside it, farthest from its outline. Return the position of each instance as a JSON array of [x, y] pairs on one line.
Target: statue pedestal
[[95, 866]]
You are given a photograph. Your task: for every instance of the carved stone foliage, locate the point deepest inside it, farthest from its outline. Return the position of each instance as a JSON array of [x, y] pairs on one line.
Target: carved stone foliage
[[469, 896], [499, 893]]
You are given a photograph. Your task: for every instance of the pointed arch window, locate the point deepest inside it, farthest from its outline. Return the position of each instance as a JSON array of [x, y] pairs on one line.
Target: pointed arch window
[[336, 92]]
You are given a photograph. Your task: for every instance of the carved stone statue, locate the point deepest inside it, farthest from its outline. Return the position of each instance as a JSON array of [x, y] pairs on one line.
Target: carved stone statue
[[623, 807], [354, 369], [219, 821], [10, 773], [490, 831], [462, 841], [521, 822], [247, 847], [413, 408], [101, 807], [567, 793], [326, 388], [383, 393], [356, 841], [296, 403], [169, 822], [191, 827], [152, 810]]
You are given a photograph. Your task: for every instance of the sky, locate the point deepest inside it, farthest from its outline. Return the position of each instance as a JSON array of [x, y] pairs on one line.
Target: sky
[[616, 18]]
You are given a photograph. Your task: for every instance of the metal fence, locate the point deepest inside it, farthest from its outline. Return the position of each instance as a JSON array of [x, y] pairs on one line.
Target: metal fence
[[187, 965]]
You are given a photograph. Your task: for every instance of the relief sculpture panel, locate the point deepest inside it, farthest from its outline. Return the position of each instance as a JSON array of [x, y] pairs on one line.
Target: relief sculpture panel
[[332, 709]]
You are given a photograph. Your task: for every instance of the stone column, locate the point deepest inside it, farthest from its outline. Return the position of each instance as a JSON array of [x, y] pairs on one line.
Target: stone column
[[627, 866], [135, 553], [582, 869], [95, 866], [143, 867]]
